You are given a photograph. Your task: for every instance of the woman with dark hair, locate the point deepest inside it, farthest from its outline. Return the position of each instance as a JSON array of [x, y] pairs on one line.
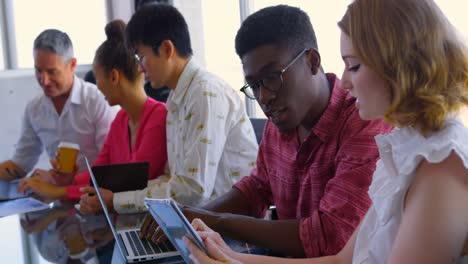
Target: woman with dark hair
[[138, 133]]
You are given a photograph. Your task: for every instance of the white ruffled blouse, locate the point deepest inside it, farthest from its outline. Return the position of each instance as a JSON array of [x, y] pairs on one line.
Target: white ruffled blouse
[[400, 153]]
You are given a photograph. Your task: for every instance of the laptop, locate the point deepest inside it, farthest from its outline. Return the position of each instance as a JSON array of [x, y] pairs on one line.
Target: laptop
[[9, 190], [130, 245], [174, 224], [122, 177]]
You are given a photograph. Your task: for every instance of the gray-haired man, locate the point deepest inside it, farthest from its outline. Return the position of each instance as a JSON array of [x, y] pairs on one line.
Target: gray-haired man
[[69, 109]]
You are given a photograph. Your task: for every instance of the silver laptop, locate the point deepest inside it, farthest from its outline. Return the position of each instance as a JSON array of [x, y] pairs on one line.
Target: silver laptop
[[129, 243]]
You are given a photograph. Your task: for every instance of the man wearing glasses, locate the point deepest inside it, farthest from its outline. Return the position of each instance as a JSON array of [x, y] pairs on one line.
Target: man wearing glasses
[[210, 140], [316, 158]]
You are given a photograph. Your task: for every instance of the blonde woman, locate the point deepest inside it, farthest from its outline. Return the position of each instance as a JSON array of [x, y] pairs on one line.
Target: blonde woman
[[405, 63]]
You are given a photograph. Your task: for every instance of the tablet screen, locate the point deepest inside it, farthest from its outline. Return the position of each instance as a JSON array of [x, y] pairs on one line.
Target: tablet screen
[[174, 224]]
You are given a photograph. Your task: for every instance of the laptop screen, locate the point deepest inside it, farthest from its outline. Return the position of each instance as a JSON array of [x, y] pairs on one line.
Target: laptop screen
[[131, 247], [104, 208], [122, 177]]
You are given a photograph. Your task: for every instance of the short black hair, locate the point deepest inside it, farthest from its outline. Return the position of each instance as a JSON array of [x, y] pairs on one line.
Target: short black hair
[[283, 26], [113, 53], [154, 23]]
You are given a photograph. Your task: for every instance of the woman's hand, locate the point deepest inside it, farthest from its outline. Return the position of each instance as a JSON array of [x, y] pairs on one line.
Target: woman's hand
[[89, 203], [60, 178], [219, 251], [42, 188]]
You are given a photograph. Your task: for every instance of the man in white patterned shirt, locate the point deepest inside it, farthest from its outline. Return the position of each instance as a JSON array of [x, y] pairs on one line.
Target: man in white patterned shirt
[[210, 140], [69, 110]]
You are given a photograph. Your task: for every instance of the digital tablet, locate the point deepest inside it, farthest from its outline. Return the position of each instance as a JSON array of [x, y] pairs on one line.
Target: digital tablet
[[174, 224]]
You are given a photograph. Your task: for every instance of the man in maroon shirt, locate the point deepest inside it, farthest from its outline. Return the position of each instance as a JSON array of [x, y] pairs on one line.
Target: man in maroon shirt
[[316, 157]]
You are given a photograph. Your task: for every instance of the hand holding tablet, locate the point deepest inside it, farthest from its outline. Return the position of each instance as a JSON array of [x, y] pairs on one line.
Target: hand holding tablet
[[174, 224], [218, 249]]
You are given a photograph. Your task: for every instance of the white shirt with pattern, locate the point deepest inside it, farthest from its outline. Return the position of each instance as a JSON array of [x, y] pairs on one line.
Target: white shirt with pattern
[[85, 120], [211, 143]]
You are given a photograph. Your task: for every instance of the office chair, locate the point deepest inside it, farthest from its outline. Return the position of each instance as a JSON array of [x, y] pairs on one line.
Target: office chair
[[258, 126]]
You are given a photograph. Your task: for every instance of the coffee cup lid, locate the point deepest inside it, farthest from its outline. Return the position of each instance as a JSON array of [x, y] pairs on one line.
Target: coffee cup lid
[[64, 144]]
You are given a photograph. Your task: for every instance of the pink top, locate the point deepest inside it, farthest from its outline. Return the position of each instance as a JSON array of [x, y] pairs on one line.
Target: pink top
[[150, 144], [322, 182]]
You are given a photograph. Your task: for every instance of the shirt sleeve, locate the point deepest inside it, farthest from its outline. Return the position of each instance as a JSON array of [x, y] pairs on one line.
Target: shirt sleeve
[[345, 200], [204, 140], [29, 146]]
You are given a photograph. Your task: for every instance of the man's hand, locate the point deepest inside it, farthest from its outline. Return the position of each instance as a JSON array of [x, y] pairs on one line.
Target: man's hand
[[145, 227], [42, 188], [151, 231], [43, 175], [89, 203], [10, 171], [60, 178], [210, 218]]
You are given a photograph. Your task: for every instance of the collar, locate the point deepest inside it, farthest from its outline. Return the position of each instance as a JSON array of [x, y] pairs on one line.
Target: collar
[[329, 117], [75, 95], [185, 79]]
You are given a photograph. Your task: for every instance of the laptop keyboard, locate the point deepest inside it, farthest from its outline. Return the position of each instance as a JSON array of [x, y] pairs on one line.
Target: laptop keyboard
[[145, 247]]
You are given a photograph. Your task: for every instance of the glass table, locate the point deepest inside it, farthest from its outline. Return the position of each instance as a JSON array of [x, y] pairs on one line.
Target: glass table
[[62, 235]]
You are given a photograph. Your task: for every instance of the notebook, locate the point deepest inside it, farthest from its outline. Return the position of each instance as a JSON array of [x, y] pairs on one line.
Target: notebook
[[122, 177], [174, 224], [130, 245]]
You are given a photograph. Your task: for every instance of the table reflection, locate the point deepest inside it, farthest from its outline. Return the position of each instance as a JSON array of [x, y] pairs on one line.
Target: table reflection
[[63, 235]]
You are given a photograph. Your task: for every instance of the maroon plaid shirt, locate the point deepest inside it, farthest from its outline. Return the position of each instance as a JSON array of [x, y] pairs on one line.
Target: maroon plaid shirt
[[323, 182]]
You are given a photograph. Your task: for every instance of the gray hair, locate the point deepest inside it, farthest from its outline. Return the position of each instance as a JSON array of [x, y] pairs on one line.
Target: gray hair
[[55, 41]]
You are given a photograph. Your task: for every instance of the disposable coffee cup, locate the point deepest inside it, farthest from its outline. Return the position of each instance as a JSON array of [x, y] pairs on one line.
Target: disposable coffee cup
[[67, 155]]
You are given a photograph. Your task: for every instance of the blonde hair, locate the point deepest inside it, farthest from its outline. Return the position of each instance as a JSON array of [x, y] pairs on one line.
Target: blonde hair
[[412, 46]]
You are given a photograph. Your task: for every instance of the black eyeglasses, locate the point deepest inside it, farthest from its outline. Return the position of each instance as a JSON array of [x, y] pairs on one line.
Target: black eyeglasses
[[273, 82]]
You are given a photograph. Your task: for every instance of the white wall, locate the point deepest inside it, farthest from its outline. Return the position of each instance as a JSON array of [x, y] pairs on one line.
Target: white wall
[[120, 9], [192, 12], [190, 9]]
